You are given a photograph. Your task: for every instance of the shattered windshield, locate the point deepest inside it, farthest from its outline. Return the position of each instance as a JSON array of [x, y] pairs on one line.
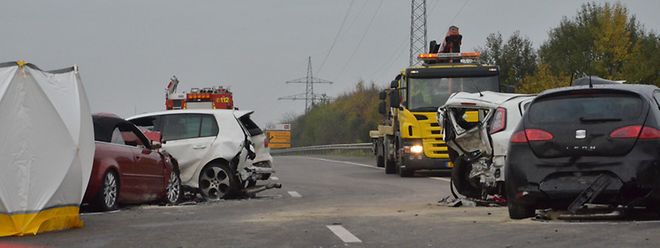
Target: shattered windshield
[[427, 94]]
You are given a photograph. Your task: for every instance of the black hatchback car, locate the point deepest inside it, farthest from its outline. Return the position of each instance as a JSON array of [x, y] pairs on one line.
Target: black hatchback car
[[579, 144]]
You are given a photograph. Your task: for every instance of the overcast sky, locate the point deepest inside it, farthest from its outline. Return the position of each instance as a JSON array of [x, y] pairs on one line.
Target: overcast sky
[[127, 50]]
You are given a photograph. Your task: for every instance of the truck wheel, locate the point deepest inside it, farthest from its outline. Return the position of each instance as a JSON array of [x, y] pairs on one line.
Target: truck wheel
[[380, 161], [217, 181], [460, 177], [390, 167], [401, 171]]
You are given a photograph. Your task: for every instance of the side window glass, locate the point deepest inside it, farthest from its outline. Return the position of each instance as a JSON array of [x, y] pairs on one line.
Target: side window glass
[[129, 136], [181, 127], [117, 137], [151, 123], [209, 126], [657, 98]]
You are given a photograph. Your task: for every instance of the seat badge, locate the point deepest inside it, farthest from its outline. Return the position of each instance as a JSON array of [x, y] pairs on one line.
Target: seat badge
[[580, 134]]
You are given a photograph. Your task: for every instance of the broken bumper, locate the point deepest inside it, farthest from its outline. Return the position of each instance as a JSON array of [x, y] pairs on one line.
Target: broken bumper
[[556, 182]]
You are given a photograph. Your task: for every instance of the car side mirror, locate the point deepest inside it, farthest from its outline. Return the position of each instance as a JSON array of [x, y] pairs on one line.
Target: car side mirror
[[381, 108], [156, 145]]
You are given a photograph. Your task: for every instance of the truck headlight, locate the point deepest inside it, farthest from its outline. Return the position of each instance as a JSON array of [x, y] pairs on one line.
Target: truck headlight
[[416, 149]]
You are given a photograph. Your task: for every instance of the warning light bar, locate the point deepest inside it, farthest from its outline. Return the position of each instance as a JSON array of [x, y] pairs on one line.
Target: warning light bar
[[199, 96], [442, 56]]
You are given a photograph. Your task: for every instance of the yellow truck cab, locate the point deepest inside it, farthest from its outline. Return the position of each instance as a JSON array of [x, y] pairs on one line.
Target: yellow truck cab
[[409, 137]]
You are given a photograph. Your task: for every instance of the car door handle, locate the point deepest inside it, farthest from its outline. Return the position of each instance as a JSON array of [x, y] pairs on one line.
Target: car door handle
[[199, 147]]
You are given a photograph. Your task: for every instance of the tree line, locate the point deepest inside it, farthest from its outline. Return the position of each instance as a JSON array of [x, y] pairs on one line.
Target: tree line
[[602, 40], [347, 119]]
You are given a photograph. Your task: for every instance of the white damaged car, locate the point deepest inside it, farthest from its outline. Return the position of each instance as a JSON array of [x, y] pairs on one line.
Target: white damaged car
[[211, 148], [478, 145]]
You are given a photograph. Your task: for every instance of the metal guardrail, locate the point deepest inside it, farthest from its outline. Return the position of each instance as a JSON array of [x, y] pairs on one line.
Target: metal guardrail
[[306, 149]]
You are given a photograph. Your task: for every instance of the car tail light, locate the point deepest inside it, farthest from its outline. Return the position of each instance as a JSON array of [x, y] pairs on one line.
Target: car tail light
[[531, 135], [637, 131], [626, 132], [649, 133], [499, 121], [538, 135], [519, 137]]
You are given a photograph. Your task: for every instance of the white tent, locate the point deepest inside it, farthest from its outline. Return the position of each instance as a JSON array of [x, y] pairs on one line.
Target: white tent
[[46, 148]]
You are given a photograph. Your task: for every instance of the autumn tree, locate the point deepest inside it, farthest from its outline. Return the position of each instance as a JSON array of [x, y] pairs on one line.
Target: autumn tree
[[603, 40], [516, 58]]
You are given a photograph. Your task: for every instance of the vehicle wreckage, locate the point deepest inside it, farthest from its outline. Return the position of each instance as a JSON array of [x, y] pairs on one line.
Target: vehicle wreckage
[[478, 149]]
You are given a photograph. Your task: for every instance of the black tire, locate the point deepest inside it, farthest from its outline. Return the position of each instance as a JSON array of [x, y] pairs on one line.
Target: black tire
[[406, 172], [173, 189], [380, 161], [519, 211], [107, 197], [460, 178], [390, 166], [218, 181]]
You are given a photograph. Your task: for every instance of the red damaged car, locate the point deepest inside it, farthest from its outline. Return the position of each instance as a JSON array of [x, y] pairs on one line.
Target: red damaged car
[[128, 169]]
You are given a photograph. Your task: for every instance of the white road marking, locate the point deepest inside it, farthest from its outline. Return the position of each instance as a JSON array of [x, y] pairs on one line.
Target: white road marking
[[99, 213], [344, 234], [440, 178], [346, 162], [294, 194], [274, 178]]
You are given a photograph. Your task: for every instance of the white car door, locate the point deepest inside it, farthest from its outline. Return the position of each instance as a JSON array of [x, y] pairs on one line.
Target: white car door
[[188, 138]]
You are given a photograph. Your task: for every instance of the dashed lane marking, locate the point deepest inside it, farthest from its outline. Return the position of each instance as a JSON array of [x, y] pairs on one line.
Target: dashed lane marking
[[274, 178], [344, 234], [99, 213], [294, 194]]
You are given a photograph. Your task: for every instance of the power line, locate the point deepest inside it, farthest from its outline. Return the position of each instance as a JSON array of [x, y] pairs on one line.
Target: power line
[[362, 38], [309, 96], [348, 11], [459, 12]]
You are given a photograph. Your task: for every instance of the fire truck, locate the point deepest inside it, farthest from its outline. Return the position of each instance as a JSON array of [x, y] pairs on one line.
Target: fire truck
[[197, 98]]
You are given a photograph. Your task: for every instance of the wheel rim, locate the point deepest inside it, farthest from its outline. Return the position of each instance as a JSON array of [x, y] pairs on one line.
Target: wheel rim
[[110, 190], [173, 188], [214, 182]]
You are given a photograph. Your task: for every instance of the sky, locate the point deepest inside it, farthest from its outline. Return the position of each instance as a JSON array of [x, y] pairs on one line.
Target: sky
[[128, 50]]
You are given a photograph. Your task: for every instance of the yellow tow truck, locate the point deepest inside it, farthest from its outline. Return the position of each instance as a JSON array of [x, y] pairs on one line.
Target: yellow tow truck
[[409, 137]]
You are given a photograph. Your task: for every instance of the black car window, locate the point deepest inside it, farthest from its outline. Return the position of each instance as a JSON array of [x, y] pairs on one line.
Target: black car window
[[181, 126], [577, 108], [151, 123], [209, 126], [251, 127]]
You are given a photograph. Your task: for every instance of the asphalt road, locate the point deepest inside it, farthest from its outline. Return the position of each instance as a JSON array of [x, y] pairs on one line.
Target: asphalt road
[[339, 202]]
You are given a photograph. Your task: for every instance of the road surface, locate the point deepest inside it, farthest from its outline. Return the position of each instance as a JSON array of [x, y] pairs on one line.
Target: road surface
[[339, 202]]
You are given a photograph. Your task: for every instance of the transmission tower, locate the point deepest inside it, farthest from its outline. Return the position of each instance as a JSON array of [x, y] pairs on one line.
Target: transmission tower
[[417, 30], [309, 96]]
